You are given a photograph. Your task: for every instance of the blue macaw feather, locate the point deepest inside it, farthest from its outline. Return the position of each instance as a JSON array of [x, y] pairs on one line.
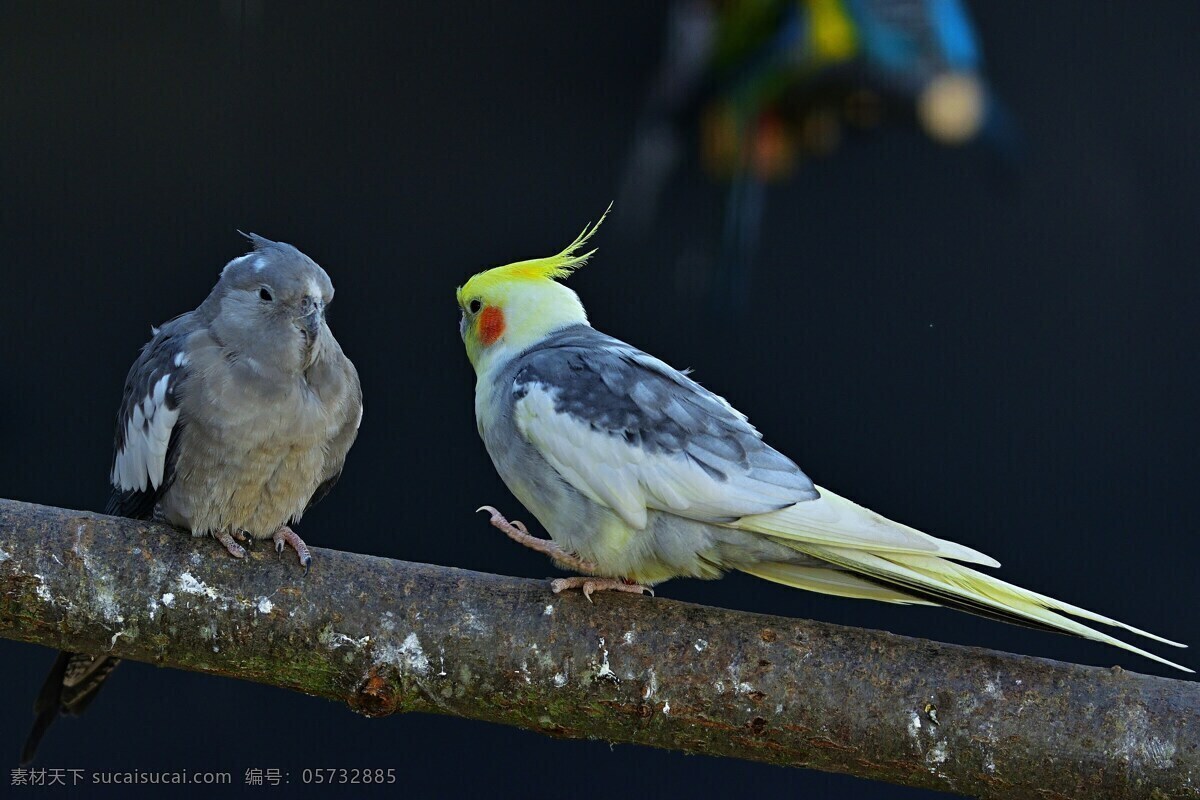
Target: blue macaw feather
[[910, 41], [956, 35], [892, 46]]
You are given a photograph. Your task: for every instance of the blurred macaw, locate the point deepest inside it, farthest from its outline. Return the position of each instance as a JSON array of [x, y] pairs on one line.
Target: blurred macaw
[[771, 82]]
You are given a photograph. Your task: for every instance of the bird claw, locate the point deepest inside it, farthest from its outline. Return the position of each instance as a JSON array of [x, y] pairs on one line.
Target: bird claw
[[226, 539], [287, 536], [591, 585], [503, 524], [517, 531]]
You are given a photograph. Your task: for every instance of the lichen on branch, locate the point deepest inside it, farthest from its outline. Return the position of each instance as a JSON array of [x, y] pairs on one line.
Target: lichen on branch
[[389, 636]]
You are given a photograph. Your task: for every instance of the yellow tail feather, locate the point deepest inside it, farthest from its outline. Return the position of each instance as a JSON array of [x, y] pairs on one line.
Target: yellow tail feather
[[952, 583], [829, 581]]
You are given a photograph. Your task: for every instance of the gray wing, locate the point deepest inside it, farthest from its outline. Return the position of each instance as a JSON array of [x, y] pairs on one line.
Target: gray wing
[[632, 433], [343, 439], [148, 422]]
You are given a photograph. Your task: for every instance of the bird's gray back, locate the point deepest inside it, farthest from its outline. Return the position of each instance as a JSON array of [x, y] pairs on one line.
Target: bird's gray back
[[617, 389]]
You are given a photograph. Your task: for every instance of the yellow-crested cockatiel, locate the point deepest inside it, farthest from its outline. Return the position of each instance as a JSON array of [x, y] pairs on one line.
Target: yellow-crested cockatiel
[[639, 474]]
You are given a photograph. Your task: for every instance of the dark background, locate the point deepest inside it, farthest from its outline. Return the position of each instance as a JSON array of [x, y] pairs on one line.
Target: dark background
[[1011, 364]]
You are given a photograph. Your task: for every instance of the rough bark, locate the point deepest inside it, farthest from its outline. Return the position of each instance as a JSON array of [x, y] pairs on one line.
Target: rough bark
[[387, 636]]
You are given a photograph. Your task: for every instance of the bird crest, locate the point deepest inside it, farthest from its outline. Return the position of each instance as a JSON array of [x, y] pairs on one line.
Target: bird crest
[[554, 267]]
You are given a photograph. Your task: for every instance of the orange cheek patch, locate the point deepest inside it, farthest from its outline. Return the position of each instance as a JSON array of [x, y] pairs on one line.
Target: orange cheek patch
[[491, 325]]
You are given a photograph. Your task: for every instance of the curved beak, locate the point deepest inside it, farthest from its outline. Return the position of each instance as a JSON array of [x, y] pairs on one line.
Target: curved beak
[[312, 321]]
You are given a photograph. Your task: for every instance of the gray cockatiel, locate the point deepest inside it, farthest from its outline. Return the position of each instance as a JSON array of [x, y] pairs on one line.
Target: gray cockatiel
[[639, 474], [237, 417]]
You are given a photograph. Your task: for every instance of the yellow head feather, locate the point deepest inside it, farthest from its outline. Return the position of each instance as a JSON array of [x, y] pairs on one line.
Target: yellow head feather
[[554, 267]]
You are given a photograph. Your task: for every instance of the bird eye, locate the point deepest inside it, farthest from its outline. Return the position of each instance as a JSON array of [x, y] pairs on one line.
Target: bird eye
[[265, 294], [475, 306]]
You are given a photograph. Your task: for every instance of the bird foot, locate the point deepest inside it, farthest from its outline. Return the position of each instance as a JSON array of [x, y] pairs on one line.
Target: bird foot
[[287, 536], [518, 533], [226, 538], [589, 585]]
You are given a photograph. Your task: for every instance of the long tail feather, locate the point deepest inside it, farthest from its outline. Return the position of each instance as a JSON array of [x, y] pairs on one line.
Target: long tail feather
[[834, 521], [69, 688], [830, 581], [958, 586], [46, 707]]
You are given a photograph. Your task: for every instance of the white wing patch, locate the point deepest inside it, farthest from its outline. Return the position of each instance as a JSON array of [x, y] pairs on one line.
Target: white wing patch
[[142, 459], [628, 478]]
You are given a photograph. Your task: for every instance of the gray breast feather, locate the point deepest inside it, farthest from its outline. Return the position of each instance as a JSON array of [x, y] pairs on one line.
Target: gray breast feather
[[617, 390]]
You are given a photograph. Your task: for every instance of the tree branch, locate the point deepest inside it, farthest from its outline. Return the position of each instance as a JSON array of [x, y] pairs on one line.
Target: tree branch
[[386, 636]]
